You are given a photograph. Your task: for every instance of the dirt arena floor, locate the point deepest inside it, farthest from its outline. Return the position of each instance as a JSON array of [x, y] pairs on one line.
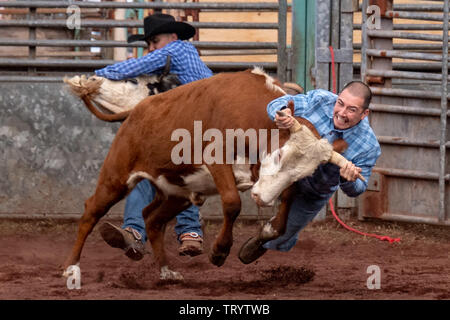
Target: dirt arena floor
[[328, 262]]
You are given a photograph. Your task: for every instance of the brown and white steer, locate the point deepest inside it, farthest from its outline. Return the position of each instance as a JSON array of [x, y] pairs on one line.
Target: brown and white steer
[[143, 147]]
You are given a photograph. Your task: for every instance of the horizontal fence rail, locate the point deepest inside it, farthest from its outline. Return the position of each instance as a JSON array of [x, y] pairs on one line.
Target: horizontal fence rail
[[108, 23], [412, 26], [403, 55], [407, 93], [403, 35], [408, 142], [423, 7], [138, 44], [418, 111], [404, 74], [62, 63], [261, 6], [410, 46]]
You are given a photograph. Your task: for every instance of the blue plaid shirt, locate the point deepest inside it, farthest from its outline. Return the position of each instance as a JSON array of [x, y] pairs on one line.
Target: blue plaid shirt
[[185, 63], [363, 148]]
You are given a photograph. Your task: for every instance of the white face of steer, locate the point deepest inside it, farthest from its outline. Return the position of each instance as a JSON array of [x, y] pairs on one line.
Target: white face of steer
[[297, 159], [121, 95]]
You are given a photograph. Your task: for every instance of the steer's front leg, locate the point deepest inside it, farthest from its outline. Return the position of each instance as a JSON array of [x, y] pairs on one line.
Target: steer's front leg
[[231, 206], [275, 227]]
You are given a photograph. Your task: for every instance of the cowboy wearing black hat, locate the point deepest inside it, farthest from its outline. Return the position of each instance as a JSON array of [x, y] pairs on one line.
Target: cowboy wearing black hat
[[164, 37]]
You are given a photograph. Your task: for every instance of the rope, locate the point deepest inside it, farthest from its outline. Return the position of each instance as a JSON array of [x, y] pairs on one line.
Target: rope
[[382, 238]]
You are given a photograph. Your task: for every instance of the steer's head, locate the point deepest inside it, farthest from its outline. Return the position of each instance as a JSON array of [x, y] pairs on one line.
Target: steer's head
[[120, 95], [298, 158]]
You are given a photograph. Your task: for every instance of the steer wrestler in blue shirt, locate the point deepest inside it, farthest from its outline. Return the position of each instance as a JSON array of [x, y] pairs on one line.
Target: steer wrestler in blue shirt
[[343, 116], [164, 37]]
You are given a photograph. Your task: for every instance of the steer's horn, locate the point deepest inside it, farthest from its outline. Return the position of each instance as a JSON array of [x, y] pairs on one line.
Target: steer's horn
[[295, 127], [340, 161]]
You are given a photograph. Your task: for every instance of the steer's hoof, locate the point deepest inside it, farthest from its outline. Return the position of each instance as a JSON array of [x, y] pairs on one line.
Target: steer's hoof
[[167, 274], [70, 270], [251, 250], [218, 259]]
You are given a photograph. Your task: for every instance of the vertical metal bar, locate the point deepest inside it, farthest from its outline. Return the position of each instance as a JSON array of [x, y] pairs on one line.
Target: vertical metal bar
[[281, 52], [346, 42], [364, 40], [140, 51], [444, 107], [335, 35], [345, 75], [32, 36], [310, 46], [322, 37], [303, 53], [298, 41]]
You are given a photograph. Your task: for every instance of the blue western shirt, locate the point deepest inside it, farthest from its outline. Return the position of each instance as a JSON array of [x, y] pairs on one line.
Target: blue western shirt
[[185, 63], [363, 148]]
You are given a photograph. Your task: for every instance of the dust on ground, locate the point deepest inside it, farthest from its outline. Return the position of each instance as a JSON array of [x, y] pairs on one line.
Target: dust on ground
[[328, 262]]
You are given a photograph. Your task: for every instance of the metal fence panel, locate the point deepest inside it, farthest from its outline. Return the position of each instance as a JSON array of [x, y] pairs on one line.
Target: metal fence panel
[[410, 181], [35, 66]]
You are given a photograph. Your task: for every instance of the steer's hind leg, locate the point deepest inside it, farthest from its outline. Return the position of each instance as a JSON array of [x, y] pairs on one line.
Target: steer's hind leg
[[231, 206], [106, 195], [156, 216], [275, 227]]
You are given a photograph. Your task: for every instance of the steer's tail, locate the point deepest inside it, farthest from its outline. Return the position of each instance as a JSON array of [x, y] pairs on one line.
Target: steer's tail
[[116, 117]]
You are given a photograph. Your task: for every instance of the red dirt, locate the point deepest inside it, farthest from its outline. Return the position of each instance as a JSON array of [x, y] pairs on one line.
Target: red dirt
[[328, 262]]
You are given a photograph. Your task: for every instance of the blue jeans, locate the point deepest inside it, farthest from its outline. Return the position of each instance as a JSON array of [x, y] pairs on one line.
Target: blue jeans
[[141, 196], [305, 206]]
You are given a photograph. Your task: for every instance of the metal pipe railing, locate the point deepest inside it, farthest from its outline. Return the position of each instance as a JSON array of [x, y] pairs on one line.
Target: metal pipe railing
[[421, 27], [282, 54], [404, 74], [417, 111], [407, 93], [413, 174], [413, 15], [416, 7], [410, 143], [403, 35], [243, 6], [365, 41], [444, 102], [112, 43], [409, 218], [403, 55], [108, 23], [410, 46], [430, 66], [61, 63]]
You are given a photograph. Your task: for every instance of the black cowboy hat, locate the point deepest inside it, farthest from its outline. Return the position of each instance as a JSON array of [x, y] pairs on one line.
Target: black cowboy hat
[[163, 23]]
